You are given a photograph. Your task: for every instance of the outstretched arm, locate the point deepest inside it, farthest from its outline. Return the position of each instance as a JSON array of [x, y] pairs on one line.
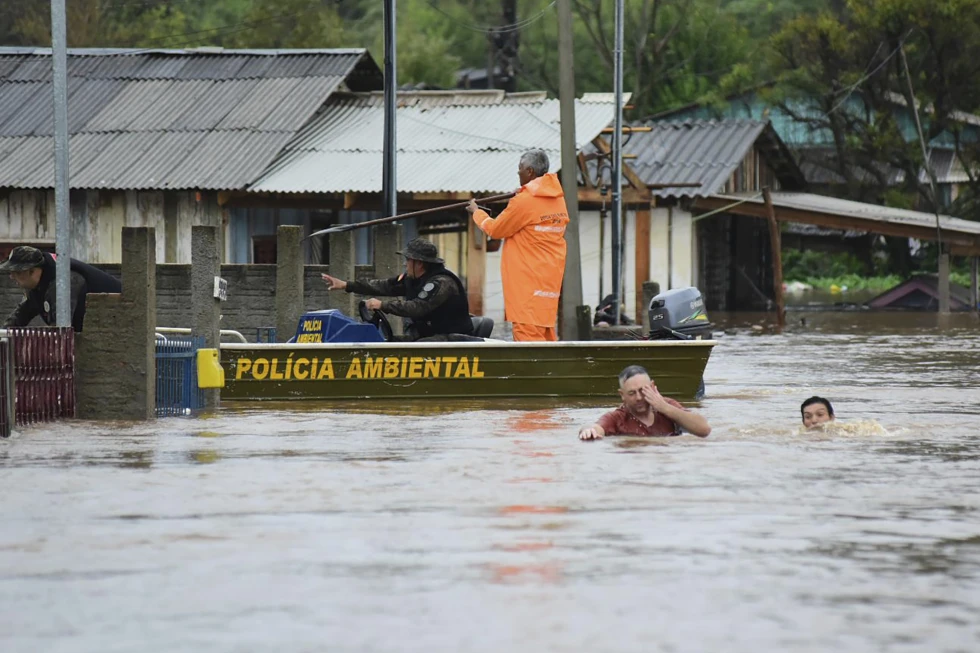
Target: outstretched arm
[[509, 222]]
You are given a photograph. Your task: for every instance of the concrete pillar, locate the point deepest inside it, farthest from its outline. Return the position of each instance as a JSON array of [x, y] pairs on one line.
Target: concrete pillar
[[289, 280], [944, 283], [342, 266], [650, 290], [115, 357], [387, 243], [205, 307], [583, 315], [388, 240]]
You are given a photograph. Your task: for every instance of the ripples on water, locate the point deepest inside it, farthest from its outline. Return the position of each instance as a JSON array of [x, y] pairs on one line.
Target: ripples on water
[[470, 527]]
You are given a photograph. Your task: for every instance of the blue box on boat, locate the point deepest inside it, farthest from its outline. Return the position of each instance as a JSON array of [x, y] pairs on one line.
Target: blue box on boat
[[333, 326]]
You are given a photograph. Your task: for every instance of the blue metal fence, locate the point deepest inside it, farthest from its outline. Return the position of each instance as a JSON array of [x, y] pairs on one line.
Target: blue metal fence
[[177, 391]]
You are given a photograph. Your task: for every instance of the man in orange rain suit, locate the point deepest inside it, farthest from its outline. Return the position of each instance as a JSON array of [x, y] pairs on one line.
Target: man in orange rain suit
[[533, 261]]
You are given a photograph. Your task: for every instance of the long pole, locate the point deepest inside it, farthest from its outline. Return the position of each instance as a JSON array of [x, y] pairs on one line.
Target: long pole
[[411, 214], [389, 178], [776, 247], [943, 258], [572, 284], [617, 163], [59, 60]]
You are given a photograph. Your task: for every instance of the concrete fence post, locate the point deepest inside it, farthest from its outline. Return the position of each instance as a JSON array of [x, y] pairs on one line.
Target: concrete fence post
[[650, 290], [387, 261], [116, 352], [342, 258], [289, 281], [205, 307]]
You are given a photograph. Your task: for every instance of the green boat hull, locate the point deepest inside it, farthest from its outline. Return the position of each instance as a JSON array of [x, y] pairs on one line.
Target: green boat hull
[[456, 370]]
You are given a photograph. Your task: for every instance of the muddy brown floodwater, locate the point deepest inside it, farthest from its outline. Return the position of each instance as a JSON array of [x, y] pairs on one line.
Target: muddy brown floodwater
[[477, 527]]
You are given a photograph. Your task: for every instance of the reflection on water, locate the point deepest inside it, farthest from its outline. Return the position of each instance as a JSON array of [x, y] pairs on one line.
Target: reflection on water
[[481, 526]]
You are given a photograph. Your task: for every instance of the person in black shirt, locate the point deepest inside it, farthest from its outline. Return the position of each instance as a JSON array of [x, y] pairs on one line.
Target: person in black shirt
[[34, 271], [433, 298]]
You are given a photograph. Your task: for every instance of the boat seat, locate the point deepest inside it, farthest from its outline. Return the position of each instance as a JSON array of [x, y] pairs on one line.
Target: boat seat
[[482, 326]]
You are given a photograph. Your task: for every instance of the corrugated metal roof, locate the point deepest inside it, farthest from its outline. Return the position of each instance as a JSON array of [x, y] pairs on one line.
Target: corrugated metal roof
[[860, 210], [203, 119], [697, 151], [19, 162], [15, 97], [447, 142]]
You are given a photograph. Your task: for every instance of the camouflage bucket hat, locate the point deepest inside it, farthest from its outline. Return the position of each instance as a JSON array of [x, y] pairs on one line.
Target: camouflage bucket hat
[[419, 249], [22, 258]]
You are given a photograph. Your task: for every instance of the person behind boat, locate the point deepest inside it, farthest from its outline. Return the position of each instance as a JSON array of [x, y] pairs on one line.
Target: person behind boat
[[645, 411], [533, 260], [434, 298], [34, 271], [605, 313], [816, 411]]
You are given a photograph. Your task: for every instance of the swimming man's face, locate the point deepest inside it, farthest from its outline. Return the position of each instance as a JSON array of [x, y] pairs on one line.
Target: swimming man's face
[[632, 394], [816, 414]]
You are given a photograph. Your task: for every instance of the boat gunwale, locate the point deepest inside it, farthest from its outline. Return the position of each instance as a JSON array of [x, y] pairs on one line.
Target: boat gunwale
[[490, 344]]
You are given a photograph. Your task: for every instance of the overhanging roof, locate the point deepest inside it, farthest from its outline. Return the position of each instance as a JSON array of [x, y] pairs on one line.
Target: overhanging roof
[[448, 141], [807, 208], [166, 119], [706, 152]]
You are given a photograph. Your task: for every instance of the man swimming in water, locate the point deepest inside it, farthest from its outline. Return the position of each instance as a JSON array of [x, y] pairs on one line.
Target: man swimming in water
[[645, 411], [816, 411]]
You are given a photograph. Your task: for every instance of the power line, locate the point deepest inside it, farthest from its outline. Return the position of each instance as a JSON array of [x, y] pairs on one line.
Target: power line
[[868, 76], [223, 30], [488, 29]]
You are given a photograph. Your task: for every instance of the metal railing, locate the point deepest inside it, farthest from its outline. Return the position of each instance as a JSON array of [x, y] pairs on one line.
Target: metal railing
[[161, 333], [176, 363], [43, 366]]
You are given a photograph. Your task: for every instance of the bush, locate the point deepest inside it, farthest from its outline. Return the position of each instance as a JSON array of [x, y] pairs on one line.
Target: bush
[[801, 265]]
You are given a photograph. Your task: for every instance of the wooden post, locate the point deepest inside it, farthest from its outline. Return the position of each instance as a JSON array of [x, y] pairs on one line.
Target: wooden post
[[476, 268], [776, 243], [943, 282], [975, 284], [642, 258]]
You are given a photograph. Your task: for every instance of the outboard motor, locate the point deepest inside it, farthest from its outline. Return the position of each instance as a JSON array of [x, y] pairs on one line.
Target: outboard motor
[[678, 314]]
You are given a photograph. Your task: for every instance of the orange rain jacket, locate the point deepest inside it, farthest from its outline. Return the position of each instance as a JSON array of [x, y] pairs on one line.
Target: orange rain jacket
[[533, 261]]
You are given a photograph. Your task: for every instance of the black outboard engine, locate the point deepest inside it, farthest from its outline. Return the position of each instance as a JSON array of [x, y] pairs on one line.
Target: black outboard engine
[[678, 314]]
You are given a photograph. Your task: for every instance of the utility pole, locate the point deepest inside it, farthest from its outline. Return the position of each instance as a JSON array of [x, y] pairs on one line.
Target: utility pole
[[507, 42], [617, 164], [572, 285], [59, 61], [389, 185], [943, 257]]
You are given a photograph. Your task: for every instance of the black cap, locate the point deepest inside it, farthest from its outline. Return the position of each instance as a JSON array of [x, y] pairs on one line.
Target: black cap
[[22, 258], [419, 249]]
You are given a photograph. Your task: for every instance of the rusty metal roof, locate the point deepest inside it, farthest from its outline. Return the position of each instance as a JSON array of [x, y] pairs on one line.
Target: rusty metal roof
[[207, 119], [448, 141]]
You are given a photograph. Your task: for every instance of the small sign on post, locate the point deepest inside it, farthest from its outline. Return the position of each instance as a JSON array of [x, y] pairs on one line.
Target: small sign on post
[[221, 289]]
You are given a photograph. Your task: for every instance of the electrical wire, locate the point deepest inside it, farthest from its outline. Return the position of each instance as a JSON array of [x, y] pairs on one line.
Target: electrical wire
[[495, 29]]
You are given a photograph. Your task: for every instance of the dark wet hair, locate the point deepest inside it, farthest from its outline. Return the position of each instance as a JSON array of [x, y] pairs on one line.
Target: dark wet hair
[[629, 372], [817, 400]]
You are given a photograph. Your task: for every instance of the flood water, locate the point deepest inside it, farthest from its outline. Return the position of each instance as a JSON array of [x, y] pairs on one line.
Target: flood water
[[492, 528]]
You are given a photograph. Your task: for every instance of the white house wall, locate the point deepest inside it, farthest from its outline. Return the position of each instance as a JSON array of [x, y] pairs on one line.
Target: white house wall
[[681, 249], [660, 246]]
